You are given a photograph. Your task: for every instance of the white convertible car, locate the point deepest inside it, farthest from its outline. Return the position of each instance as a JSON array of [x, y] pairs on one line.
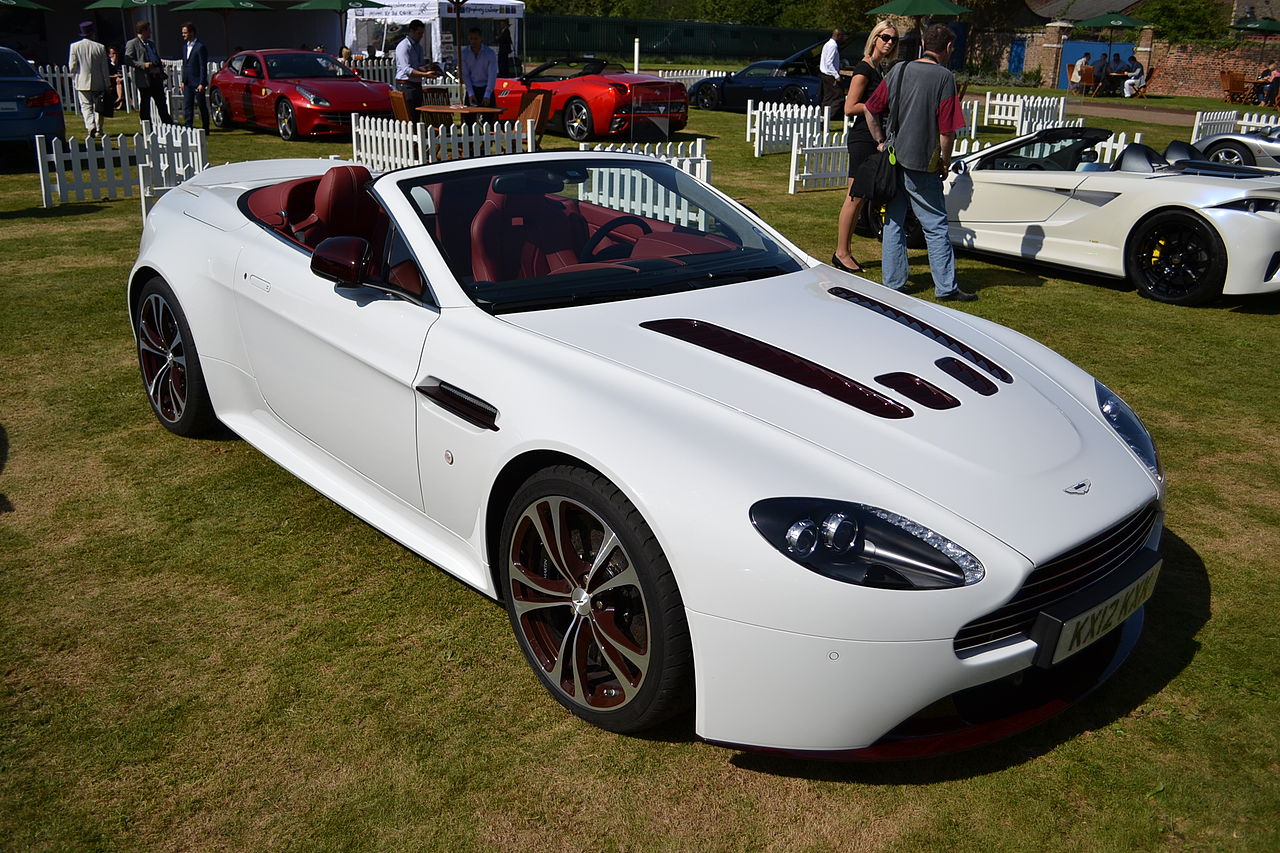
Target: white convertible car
[[1183, 229], [698, 467]]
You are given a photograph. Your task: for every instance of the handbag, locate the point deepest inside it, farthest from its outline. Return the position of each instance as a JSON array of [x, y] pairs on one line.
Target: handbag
[[104, 103], [876, 179]]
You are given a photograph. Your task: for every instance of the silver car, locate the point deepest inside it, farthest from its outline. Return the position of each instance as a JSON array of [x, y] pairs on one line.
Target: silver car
[[1256, 148]]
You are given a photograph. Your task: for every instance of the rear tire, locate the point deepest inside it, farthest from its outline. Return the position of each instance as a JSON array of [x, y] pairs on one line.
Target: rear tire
[[708, 97], [1231, 154], [577, 120], [1176, 257]]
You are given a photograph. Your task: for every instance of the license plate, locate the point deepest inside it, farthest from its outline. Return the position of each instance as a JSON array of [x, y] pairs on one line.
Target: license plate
[[8, 107], [1061, 637]]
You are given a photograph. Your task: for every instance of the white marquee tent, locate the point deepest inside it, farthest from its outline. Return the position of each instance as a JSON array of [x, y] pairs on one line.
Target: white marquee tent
[[439, 16]]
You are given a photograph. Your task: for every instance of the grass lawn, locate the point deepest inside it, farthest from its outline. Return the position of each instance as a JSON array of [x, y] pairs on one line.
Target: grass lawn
[[200, 652]]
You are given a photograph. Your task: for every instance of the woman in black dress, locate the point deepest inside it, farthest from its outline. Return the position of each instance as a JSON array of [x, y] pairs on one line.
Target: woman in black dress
[[882, 47]]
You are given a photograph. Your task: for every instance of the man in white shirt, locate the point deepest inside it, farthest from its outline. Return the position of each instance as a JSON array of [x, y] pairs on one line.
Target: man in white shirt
[[88, 62], [829, 69], [479, 70], [411, 66]]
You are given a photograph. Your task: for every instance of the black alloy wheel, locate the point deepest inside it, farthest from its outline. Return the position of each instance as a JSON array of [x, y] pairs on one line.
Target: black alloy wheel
[[1176, 257], [593, 602], [708, 97]]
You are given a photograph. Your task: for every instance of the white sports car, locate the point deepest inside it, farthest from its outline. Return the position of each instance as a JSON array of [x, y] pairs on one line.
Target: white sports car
[[1183, 230], [698, 466]]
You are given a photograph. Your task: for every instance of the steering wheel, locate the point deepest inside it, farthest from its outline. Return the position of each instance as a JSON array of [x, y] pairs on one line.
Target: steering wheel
[[1035, 167], [586, 253]]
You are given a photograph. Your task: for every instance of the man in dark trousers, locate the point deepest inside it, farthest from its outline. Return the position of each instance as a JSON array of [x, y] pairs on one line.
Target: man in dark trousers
[[829, 70], [411, 67], [918, 104], [143, 57], [195, 77]]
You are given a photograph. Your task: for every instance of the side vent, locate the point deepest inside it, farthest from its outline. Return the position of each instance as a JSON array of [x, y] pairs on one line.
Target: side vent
[[454, 400], [920, 390], [963, 350], [957, 369], [780, 363]]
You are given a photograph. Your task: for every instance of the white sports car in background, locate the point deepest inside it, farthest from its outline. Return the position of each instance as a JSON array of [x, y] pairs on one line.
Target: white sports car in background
[[698, 466], [1183, 232]]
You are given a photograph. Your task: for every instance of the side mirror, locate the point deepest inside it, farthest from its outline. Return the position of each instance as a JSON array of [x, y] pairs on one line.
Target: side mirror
[[959, 167], [342, 260], [1089, 156], [251, 72]]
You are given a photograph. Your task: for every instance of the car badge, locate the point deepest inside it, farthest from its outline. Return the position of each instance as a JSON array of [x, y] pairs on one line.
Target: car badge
[[1080, 488]]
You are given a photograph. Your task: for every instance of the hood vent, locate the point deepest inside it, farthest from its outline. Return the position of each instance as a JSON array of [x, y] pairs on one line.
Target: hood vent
[[957, 369], [920, 390], [780, 363], [960, 349]]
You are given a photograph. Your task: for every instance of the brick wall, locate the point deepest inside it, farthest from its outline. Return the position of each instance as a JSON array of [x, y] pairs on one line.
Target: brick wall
[[1191, 70]]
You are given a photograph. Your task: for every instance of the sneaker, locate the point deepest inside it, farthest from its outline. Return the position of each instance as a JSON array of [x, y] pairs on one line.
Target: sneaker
[[958, 295]]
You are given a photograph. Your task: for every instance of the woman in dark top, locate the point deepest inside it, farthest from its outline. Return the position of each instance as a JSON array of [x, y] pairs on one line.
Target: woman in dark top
[[882, 47], [116, 73]]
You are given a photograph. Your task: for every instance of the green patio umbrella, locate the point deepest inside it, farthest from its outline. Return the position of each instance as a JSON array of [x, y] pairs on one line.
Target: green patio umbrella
[[339, 6], [1111, 22], [223, 8], [129, 4], [1266, 26], [919, 10], [25, 4]]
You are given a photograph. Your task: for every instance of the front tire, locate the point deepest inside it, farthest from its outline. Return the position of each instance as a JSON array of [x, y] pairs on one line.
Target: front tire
[[169, 363], [593, 602], [1231, 154], [1176, 257], [220, 109], [872, 225], [577, 120], [794, 95], [286, 121]]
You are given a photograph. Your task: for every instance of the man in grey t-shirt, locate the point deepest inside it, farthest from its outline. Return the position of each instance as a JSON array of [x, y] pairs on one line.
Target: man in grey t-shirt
[[923, 115]]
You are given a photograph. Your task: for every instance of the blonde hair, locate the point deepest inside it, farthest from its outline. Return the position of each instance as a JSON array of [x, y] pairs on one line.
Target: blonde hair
[[881, 26]]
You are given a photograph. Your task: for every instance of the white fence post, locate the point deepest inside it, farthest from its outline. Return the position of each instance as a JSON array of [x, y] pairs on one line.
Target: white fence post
[[776, 123], [819, 162], [1250, 122]]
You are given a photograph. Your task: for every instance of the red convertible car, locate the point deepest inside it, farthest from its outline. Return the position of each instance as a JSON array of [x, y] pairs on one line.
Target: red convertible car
[[594, 97], [295, 92]]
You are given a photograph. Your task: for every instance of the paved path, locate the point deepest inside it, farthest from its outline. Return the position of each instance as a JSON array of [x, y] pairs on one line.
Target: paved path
[[1122, 108]]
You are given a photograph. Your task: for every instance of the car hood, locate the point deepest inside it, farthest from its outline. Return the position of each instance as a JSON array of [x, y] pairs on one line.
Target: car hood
[[1003, 459], [342, 91]]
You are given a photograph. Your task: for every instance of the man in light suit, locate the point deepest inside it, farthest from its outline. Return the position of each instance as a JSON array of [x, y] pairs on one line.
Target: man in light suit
[[195, 77], [88, 62], [142, 55]]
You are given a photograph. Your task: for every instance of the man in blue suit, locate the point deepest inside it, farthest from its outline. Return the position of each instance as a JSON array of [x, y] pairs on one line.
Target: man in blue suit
[[195, 77]]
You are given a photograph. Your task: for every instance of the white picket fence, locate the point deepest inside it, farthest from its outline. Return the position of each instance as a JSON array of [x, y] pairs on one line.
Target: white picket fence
[[687, 76], [383, 144], [1023, 111], [383, 70], [822, 162], [1230, 121], [632, 192], [819, 162], [970, 111], [153, 161], [772, 126], [688, 157]]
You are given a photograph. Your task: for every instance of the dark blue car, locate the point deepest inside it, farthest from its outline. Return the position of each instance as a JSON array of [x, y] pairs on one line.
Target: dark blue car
[[793, 80], [28, 104]]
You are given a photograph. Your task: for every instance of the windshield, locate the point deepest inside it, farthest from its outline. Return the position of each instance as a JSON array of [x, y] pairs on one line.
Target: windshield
[[525, 237], [295, 65], [565, 69], [13, 65]]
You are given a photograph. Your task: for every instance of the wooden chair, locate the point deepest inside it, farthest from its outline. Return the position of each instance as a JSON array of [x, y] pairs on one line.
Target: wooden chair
[[1234, 89], [535, 105], [435, 96], [1087, 83], [399, 108], [1141, 91]]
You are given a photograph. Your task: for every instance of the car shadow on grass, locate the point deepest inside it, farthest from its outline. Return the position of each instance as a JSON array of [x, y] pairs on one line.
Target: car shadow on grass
[[1177, 610], [5, 504]]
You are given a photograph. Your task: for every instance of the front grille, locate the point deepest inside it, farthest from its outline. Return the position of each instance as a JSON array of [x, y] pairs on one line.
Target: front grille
[[1060, 578]]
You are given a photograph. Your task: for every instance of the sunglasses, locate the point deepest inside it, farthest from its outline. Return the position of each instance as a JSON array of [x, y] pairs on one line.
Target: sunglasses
[[887, 39]]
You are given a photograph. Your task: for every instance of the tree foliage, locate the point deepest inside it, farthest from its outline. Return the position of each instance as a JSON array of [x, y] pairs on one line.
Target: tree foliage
[[1183, 21]]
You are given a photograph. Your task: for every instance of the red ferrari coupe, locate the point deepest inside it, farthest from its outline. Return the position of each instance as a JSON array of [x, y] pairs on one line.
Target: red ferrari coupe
[[296, 92], [593, 97]]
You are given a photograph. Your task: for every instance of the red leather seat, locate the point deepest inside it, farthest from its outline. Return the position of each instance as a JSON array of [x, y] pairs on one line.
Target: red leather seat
[[524, 234], [344, 207]]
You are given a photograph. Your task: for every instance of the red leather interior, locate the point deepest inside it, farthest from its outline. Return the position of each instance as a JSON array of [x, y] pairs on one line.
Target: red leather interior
[[343, 206], [524, 235], [283, 206]]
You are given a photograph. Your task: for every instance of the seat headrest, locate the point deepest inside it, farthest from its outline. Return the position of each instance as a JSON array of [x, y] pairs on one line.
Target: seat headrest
[[339, 198], [1137, 157], [1177, 151]]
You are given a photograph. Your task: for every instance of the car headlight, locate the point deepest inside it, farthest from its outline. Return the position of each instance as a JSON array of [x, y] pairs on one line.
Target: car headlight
[[1254, 205], [1129, 426], [312, 98], [864, 545]]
